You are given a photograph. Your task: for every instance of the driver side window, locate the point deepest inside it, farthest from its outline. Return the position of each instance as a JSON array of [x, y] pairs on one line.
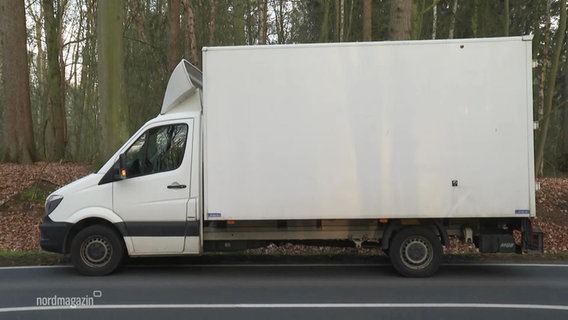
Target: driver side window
[[159, 149]]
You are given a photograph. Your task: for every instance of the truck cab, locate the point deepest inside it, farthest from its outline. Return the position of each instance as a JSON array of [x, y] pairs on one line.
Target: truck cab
[[145, 199]]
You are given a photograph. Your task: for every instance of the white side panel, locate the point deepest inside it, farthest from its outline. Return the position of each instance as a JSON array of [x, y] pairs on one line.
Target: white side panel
[[530, 125], [156, 245], [369, 130], [192, 245]]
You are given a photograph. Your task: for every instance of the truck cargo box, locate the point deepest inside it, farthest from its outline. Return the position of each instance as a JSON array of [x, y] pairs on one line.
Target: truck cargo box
[[428, 129]]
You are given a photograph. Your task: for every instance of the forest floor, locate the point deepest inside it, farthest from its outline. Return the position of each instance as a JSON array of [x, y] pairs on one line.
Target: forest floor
[[23, 189]]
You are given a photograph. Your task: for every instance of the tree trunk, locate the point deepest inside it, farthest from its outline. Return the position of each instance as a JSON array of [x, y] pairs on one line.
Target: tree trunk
[[18, 138], [453, 20], [565, 112], [401, 16], [324, 33], [2, 99], [341, 20], [434, 19], [544, 62], [550, 89], [506, 19], [279, 16], [134, 6], [39, 106], [212, 21], [239, 23], [475, 18], [262, 21], [367, 20], [114, 111], [174, 48], [87, 140], [347, 35], [191, 37], [418, 10], [55, 134]]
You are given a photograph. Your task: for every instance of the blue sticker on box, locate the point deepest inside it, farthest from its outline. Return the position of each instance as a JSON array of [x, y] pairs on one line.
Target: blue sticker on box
[[522, 212], [214, 215]]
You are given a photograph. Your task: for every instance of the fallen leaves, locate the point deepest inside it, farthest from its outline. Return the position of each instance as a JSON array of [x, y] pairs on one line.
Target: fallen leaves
[[20, 231], [292, 249], [19, 222], [552, 214], [14, 178]]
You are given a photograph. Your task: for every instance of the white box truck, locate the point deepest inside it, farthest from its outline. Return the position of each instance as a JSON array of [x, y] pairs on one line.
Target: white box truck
[[401, 144]]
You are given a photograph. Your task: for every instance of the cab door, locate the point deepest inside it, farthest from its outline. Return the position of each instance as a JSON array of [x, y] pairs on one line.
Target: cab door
[[153, 198]]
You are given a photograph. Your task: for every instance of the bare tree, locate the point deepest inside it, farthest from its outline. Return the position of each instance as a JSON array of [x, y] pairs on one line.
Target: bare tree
[[262, 21], [341, 22], [550, 89], [174, 28], [565, 112], [280, 20], [212, 21], [367, 20], [191, 37], [114, 111], [89, 122], [475, 18], [18, 139], [324, 32], [401, 17], [506, 18], [434, 18], [238, 23], [55, 130], [452, 30]]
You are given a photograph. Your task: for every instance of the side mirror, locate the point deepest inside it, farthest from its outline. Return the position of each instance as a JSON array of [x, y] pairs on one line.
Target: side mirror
[[120, 167]]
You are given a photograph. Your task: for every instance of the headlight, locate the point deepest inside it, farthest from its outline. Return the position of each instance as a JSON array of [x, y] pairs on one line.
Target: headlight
[[52, 202]]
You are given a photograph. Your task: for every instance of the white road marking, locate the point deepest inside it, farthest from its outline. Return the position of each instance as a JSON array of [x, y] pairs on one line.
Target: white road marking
[[334, 265], [310, 265], [36, 267], [292, 306], [497, 264], [270, 265]]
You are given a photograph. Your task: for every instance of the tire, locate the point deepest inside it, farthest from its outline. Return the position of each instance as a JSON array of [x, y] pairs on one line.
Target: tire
[[416, 252], [97, 251]]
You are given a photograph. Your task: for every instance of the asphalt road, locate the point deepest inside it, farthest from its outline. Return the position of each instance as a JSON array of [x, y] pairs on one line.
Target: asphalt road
[[287, 291]]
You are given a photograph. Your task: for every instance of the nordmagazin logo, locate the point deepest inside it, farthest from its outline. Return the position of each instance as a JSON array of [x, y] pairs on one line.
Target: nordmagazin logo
[[69, 301]]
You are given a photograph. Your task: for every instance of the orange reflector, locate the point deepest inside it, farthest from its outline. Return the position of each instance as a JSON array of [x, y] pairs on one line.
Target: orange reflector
[[230, 221], [383, 220], [123, 172]]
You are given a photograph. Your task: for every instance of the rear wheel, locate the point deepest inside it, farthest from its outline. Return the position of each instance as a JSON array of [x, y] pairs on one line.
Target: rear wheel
[[97, 251], [416, 252]]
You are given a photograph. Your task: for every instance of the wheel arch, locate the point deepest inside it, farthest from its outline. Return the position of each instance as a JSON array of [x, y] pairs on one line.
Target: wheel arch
[[92, 216], [396, 225], [87, 222]]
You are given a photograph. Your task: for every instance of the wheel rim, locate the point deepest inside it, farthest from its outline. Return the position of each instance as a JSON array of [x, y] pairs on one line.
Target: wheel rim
[[416, 252], [96, 251]]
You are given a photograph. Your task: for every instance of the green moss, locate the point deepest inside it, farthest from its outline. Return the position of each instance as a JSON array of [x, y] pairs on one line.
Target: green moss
[[37, 193], [29, 258]]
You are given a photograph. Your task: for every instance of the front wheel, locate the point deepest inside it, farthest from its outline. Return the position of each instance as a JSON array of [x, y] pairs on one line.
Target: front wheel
[[416, 252], [97, 251]]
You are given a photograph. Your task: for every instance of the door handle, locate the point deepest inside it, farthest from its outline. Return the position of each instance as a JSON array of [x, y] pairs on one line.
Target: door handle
[[176, 185]]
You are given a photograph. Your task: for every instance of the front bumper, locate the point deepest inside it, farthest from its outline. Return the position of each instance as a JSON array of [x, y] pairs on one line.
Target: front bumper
[[53, 235]]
